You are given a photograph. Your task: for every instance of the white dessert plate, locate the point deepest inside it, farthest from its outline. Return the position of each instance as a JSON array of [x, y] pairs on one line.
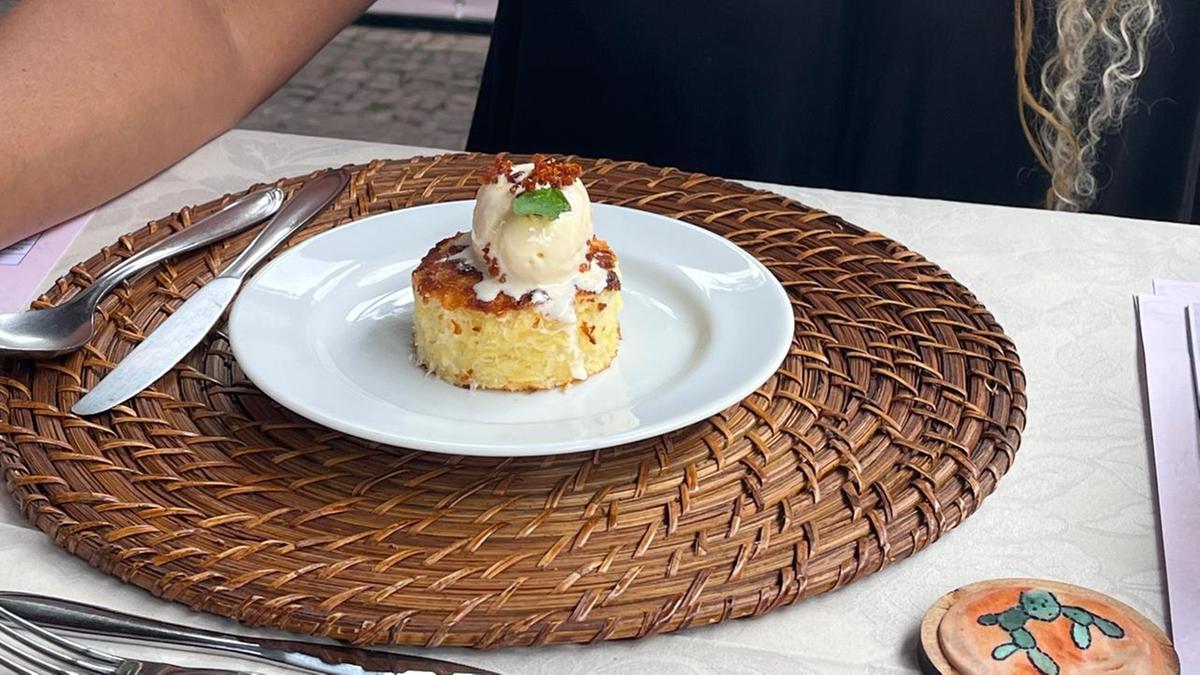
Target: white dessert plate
[[326, 328]]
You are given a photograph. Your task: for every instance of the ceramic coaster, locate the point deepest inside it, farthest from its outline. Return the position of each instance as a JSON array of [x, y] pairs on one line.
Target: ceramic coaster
[[1037, 627]]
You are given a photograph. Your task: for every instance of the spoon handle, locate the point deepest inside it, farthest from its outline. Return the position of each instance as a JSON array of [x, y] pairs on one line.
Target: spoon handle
[[239, 215]]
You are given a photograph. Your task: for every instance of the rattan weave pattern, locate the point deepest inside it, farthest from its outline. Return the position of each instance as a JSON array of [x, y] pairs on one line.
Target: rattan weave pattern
[[899, 407]]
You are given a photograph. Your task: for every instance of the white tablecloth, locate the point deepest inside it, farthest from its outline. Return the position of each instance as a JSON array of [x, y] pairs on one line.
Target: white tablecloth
[[1077, 506]]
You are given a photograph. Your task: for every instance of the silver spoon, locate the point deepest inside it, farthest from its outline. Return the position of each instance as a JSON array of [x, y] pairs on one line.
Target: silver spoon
[[66, 327]]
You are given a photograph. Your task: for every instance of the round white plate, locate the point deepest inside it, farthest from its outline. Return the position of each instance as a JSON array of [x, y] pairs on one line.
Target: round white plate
[[326, 328]]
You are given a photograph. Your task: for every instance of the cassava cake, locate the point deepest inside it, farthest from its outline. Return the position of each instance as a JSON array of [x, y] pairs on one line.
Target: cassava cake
[[530, 298]]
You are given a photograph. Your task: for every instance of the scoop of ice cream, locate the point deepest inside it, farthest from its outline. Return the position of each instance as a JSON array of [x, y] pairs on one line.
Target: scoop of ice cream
[[531, 249]]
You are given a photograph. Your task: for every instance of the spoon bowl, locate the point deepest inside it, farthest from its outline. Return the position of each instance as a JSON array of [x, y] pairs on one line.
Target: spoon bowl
[[42, 333], [49, 332]]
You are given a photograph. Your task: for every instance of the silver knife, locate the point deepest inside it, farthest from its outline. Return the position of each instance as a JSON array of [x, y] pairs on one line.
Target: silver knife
[[184, 329], [331, 659]]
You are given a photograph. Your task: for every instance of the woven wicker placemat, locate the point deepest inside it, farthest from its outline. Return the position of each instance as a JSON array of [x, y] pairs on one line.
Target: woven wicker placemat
[[896, 412]]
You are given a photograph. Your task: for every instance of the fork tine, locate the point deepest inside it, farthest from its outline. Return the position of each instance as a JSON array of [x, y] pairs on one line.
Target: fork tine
[[39, 648], [74, 648], [11, 665], [27, 657]]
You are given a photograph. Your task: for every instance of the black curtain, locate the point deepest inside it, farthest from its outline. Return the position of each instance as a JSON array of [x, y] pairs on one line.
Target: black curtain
[[910, 98]]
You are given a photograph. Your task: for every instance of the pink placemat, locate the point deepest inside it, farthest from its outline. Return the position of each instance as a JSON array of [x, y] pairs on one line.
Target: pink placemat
[[25, 265]]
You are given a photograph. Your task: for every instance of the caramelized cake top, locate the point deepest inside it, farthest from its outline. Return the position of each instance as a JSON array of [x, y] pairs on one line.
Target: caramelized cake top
[[453, 280]]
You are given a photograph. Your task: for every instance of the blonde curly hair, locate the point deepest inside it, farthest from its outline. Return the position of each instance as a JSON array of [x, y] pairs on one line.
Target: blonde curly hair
[[1085, 88]]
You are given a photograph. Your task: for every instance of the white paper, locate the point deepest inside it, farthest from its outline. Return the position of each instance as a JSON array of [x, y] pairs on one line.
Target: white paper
[[1193, 321], [1172, 288], [1175, 433]]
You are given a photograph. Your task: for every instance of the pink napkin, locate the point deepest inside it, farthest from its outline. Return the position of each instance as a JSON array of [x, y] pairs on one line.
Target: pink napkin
[[24, 266], [1175, 432]]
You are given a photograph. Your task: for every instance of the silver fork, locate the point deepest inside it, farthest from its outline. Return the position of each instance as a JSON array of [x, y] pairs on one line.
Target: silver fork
[[27, 649]]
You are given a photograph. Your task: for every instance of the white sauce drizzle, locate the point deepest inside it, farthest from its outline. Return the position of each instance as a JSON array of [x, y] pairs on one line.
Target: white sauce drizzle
[[555, 301]]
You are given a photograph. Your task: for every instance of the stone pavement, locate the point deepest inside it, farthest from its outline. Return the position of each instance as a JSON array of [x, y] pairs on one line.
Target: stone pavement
[[382, 84]]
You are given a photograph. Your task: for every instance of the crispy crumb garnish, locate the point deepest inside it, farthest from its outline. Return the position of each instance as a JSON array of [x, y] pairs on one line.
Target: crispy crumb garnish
[[588, 330], [546, 171], [492, 262], [500, 167]]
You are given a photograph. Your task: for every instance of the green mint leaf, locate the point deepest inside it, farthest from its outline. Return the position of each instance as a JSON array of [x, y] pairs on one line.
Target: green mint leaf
[[545, 202]]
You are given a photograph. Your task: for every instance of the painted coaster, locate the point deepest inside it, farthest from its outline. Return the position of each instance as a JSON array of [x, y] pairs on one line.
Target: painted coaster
[[1038, 627]]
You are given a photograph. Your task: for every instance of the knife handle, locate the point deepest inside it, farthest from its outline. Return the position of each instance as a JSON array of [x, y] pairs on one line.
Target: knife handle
[[240, 214], [82, 618], [181, 670], [315, 195]]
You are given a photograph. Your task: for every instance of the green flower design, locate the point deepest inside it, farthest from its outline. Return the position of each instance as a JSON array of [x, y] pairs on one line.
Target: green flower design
[[1041, 605]]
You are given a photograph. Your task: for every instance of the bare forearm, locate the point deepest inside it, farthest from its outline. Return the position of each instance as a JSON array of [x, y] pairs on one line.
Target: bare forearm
[[97, 96]]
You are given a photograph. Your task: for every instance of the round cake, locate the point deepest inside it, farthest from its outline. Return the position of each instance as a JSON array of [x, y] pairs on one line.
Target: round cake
[[530, 298]]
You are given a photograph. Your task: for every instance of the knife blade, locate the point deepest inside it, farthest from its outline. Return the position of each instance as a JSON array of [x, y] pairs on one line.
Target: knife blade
[[194, 319], [164, 348], [331, 659]]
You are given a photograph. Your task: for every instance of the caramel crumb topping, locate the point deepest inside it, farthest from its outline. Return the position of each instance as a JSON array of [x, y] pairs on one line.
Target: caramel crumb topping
[[499, 167], [546, 171], [588, 330], [492, 262]]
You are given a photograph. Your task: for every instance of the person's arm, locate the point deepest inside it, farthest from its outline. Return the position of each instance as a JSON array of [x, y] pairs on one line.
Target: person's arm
[[98, 96]]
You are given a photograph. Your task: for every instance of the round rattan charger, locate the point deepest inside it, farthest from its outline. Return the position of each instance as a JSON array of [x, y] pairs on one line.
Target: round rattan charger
[[899, 407]]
